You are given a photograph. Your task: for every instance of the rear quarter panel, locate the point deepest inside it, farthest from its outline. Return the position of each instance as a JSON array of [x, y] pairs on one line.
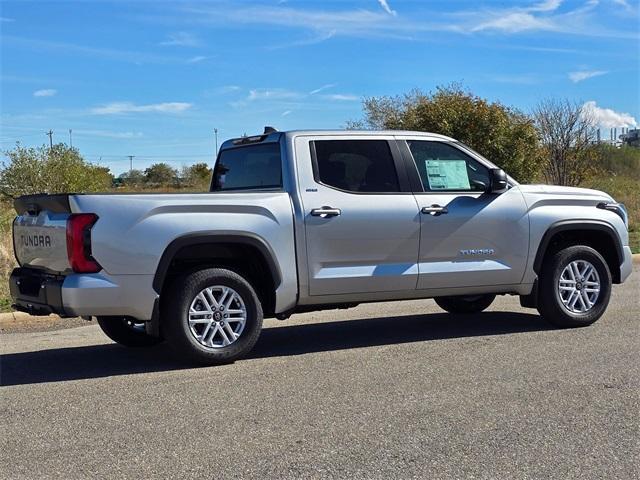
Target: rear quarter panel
[[134, 230]]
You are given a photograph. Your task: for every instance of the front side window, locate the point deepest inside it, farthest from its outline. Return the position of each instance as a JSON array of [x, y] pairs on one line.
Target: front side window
[[356, 165], [253, 167], [443, 167]]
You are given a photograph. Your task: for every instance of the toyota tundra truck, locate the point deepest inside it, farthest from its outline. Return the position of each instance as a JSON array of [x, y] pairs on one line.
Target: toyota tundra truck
[[307, 220]]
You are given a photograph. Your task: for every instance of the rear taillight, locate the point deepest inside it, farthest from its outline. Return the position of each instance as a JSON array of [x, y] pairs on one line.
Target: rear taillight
[[79, 243]]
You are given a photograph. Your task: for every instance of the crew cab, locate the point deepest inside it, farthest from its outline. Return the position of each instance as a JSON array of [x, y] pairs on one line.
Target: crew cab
[[306, 220]]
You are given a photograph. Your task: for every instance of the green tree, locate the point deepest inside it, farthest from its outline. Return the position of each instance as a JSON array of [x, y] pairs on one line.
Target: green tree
[[160, 174], [133, 178], [50, 170], [504, 135], [197, 175]]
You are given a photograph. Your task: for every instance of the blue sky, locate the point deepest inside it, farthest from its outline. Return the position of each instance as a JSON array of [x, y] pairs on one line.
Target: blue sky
[[154, 78]]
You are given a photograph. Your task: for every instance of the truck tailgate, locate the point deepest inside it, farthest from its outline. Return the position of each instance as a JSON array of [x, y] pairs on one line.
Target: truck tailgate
[[39, 232]]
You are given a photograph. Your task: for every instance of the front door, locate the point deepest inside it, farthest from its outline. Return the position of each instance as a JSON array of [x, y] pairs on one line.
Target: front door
[[469, 238], [362, 222]]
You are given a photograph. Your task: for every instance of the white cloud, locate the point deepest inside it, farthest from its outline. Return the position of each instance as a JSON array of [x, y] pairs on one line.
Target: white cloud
[[108, 134], [541, 15], [624, 4], [545, 6], [181, 39], [272, 94], [606, 117], [197, 59], [70, 48], [322, 88], [7, 19], [385, 6], [227, 89], [46, 92], [317, 38], [116, 108], [581, 75], [340, 97], [285, 113], [514, 22]]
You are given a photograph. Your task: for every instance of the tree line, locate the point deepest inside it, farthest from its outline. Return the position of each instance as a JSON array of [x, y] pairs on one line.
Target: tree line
[[61, 168], [554, 143]]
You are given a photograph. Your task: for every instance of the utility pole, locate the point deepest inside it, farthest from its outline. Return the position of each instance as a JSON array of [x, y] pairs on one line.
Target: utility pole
[[130, 163], [50, 133], [70, 139], [215, 131]]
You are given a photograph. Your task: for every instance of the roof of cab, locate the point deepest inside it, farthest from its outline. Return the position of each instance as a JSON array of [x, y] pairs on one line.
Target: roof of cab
[[275, 135], [373, 133]]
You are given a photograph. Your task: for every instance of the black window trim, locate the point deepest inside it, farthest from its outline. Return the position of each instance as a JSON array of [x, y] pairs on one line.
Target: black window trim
[[249, 189], [414, 174], [398, 162]]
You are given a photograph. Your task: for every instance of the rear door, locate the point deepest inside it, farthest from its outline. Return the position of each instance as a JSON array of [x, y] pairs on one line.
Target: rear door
[[469, 237], [362, 221]]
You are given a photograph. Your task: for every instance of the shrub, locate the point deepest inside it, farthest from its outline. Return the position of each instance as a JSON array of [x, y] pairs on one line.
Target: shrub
[[502, 134], [50, 170]]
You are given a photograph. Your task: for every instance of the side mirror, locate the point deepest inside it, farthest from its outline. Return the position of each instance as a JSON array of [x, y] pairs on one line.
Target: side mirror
[[497, 181]]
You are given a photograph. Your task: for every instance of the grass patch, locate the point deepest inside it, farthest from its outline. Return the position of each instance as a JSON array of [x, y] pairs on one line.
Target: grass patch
[[5, 305], [623, 189], [7, 260]]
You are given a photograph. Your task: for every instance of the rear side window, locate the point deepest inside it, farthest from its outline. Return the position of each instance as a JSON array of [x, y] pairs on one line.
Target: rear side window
[[356, 165], [254, 167]]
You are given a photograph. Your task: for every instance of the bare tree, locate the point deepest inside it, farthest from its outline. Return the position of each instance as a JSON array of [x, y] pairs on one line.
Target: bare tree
[[566, 130]]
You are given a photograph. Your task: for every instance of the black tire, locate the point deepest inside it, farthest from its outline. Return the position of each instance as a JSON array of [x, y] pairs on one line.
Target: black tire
[[465, 303], [550, 304], [175, 320], [126, 332]]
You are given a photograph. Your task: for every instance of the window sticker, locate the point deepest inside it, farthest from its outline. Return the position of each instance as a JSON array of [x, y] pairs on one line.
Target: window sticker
[[447, 175]]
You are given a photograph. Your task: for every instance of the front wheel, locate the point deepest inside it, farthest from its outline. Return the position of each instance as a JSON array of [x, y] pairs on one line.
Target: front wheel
[[465, 303], [212, 316], [574, 287], [127, 332]]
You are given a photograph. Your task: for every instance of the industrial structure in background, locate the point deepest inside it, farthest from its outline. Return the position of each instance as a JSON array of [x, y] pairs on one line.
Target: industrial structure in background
[[630, 137]]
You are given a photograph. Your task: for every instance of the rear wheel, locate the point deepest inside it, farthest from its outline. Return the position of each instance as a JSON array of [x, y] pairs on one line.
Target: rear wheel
[[465, 303], [212, 316], [127, 332], [574, 287]]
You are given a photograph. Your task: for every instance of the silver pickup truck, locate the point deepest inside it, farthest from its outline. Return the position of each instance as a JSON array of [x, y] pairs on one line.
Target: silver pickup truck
[[308, 220]]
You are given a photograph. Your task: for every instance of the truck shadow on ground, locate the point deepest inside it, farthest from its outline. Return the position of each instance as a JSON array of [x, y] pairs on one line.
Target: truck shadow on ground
[[96, 361]]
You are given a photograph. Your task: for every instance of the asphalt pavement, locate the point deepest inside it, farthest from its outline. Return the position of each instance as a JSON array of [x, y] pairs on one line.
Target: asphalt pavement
[[392, 390]]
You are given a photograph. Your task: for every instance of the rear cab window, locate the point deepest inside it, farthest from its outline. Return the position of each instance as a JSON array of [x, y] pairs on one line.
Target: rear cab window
[[250, 167], [355, 166]]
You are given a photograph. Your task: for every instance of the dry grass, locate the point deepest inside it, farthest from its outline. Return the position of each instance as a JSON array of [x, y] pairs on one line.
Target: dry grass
[[623, 189], [7, 260]]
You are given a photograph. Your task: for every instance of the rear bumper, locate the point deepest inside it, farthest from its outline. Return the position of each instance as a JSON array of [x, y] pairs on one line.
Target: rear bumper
[[97, 294], [35, 292]]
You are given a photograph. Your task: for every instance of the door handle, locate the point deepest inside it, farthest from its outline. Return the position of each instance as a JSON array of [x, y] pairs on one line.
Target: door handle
[[325, 212], [435, 210]]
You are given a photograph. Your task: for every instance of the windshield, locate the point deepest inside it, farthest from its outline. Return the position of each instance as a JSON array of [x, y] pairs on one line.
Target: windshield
[[253, 167]]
